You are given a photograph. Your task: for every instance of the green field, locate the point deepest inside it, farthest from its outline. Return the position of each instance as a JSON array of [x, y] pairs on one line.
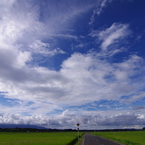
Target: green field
[[31, 138], [126, 137]]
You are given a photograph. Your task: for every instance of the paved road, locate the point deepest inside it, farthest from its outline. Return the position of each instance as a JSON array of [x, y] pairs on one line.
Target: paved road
[[96, 140]]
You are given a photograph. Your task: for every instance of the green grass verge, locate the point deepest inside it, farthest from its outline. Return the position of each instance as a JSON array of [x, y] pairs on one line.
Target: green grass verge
[[79, 142]]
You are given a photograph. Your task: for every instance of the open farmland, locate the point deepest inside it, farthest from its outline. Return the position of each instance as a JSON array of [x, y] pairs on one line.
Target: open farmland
[[124, 137], [54, 138]]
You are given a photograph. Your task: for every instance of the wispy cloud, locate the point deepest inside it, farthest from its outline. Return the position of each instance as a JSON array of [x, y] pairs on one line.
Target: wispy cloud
[[100, 5], [44, 49], [116, 33]]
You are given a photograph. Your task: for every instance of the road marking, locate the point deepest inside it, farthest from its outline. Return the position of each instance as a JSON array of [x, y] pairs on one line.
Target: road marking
[[97, 140], [83, 141]]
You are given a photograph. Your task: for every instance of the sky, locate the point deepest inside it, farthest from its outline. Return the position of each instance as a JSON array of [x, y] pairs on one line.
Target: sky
[[65, 62]]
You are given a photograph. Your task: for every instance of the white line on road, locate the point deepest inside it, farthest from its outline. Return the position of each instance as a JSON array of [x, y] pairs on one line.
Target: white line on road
[[83, 141]]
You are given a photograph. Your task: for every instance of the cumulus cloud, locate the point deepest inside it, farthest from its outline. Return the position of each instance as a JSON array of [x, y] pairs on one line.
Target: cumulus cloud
[[100, 79], [96, 121], [22, 34], [95, 78]]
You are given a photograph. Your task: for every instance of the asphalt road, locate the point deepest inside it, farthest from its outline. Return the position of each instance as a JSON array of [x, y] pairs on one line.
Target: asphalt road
[[96, 140]]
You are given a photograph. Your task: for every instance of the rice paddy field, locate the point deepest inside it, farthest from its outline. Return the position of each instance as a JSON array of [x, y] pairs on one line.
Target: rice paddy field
[[126, 137], [36, 138]]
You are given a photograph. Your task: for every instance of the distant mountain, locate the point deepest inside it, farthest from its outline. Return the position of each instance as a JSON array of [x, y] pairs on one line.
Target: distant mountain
[[21, 126]]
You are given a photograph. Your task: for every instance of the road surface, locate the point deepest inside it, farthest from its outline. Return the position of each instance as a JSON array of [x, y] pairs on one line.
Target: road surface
[[96, 140]]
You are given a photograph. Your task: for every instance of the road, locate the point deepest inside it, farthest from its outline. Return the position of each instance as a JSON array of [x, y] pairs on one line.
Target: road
[[96, 140]]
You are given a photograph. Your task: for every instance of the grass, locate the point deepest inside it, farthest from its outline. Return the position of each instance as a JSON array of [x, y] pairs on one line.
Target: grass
[[126, 137], [80, 141], [31, 138]]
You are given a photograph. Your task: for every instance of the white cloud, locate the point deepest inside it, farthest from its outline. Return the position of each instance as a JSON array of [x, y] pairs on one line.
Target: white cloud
[[134, 97], [66, 36], [68, 119], [99, 79], [100, 5], [39, 47], [20, 25], [80, 76], [112, 35], [128, 68], [42, 48]]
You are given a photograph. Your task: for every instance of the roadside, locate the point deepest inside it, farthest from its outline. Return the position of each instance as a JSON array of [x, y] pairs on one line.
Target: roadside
[[80, 142]]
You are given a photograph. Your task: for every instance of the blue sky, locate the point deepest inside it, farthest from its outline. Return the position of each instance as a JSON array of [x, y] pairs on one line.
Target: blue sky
[[64, 62]]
